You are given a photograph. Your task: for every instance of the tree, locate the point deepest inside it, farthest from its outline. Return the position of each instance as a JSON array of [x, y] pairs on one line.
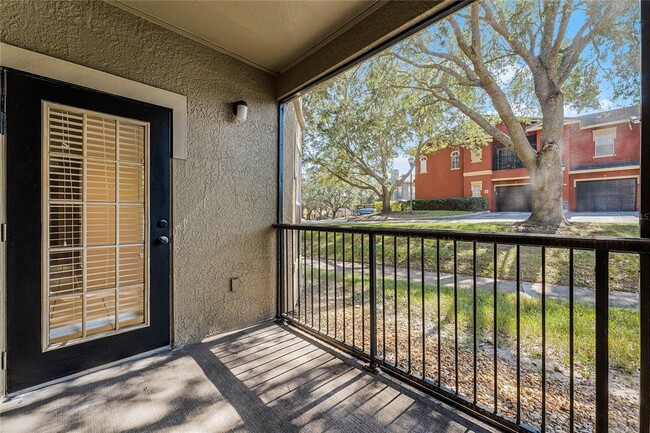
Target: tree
[[357, 125], [323, 192], [523, 58]]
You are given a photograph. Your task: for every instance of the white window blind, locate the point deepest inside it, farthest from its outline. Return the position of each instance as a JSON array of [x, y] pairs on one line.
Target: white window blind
[[455, 160], [95, 210], [476, 189], [423, 164]]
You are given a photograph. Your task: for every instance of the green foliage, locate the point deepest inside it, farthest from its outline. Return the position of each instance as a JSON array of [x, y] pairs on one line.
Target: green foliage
[[322, 192], [469, 204], [395, 206]]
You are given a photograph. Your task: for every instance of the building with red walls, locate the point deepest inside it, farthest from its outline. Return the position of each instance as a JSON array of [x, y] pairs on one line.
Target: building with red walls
[[600, 165]]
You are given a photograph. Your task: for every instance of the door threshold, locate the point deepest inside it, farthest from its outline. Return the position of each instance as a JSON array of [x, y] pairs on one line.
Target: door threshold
[[39, 387]]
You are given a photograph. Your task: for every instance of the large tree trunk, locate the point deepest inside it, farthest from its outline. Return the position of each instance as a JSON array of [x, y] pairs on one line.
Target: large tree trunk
[[546, 185], [385, 199], [546, 169]]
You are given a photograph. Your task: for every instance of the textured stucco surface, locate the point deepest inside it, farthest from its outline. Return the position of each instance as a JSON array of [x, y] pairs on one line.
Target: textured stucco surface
[[378, 27], [224, 193]]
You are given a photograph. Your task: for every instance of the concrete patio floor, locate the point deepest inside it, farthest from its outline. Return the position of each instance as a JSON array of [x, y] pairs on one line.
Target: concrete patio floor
[[266, 378]]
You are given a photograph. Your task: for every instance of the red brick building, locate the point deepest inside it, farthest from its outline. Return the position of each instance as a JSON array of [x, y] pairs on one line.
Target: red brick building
[[600, 164]]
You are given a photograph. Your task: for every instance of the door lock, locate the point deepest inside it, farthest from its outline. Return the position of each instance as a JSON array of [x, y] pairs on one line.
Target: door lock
[[162, 223], [163, 240]]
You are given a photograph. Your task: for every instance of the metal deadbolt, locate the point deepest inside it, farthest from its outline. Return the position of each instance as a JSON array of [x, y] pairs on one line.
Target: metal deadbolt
[[163, 240]]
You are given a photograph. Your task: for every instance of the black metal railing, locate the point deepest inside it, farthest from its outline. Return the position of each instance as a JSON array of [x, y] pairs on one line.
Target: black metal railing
[[514, 328]]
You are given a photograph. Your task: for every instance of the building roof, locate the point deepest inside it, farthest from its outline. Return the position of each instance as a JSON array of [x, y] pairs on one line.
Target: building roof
[[616, 115]]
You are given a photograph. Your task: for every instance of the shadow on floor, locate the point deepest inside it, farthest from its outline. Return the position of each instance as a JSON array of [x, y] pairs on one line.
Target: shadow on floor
[[266, 378]]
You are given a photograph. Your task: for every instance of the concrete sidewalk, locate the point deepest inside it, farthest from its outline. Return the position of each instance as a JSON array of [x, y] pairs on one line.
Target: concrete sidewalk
[[553, 291]]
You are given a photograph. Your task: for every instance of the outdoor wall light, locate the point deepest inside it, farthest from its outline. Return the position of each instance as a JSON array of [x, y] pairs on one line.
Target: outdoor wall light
[[240, 109]]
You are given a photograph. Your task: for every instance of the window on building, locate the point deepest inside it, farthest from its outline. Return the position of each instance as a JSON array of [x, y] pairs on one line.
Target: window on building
[[477, 187], [423, 164], [506, 159], [455, 160], [604, 142], [477, 155]]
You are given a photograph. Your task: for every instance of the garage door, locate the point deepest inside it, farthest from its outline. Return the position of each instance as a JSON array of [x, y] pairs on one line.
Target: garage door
[[514, 198], [606, 195]]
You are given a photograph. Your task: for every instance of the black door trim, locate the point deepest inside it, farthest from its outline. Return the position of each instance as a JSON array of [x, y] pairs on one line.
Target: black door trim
[[27, 364]]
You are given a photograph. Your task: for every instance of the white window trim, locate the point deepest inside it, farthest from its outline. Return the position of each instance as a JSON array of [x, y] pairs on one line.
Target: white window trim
[[605, 131], [478, 183], [57, 69], [476, 155], [425, 167], [457, 153]]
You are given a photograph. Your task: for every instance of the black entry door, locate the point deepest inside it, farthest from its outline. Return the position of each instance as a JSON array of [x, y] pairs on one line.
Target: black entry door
[[606, 195], [88, 205], [514, 198]]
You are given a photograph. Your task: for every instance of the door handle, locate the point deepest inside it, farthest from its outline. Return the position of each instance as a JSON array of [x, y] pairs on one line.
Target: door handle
[[163, 240]]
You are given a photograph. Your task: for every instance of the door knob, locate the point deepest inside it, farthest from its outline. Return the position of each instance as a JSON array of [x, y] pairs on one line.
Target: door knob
[[163, 240]]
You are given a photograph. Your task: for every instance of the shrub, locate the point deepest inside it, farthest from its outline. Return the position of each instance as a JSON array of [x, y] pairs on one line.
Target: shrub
[[395, 206], [469, 204]]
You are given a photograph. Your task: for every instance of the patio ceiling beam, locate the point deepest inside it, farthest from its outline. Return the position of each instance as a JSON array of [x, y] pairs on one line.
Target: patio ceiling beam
[[377, 29]]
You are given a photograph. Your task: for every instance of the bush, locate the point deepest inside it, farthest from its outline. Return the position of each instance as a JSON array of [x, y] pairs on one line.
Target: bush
[[469, 204], [395, 206]]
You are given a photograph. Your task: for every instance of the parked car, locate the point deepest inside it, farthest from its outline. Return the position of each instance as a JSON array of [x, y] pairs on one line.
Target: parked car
[[365, 211]]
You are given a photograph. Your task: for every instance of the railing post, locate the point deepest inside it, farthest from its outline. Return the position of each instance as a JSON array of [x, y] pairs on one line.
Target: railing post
[[644, 379], [602, 340], [372, 259], [282, 253]]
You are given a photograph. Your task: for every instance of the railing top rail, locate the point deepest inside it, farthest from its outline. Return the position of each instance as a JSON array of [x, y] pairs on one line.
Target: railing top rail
[[630, 245]]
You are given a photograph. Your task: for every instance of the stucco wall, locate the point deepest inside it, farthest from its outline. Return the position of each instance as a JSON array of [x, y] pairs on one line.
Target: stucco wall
[[224, 193]]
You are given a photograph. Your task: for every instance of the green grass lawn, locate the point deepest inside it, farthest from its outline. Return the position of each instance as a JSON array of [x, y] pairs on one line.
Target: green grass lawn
[[624, 323], [624, 268]]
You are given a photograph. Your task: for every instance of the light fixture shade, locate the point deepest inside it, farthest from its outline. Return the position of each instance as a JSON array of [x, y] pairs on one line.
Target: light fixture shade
[[240, 109]]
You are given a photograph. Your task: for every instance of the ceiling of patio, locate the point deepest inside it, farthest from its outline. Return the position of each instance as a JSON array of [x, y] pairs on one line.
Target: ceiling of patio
[[272, 36]]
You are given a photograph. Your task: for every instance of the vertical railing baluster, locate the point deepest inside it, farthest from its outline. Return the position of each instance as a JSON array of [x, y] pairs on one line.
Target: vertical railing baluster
[[602, 342], [644, 359], [438, 306], [343, 278], [518, 278], [336, 289], [383, 298], [327, 283], [320, 315], [287, 274], [280, 280], [395, 293], [474, 315], [354, 306], [424, 351], [456, 315], [543, 339], [304, 234], [372, 262], [311, 273], [494, 327], [293, 274], [363, 288], [408, 298], [571, 345]]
